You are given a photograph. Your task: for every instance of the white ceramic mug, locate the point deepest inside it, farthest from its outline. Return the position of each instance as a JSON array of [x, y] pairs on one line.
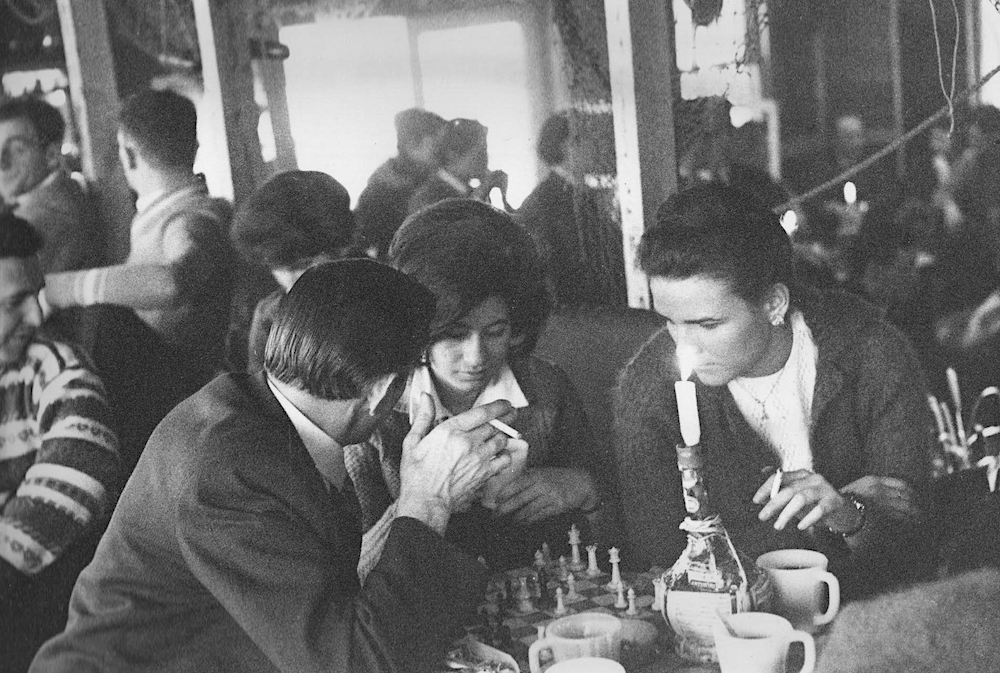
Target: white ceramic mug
[[587, 634], [805, 592], [586, 665], [758, 642]]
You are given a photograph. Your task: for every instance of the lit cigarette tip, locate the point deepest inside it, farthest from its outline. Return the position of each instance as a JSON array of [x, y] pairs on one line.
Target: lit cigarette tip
[[505, 429], [776, 484]]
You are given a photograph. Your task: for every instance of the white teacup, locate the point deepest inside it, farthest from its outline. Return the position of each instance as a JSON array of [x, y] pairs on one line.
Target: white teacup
[[805, 592], [586, 665], [758, 643], [587, 634]]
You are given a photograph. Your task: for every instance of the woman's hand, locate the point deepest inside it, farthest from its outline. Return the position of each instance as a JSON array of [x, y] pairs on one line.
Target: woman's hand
[[809, 498], [544, 492]]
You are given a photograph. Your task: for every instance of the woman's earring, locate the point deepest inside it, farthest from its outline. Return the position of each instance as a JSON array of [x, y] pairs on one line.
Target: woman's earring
[[425, 359], [777, 320]]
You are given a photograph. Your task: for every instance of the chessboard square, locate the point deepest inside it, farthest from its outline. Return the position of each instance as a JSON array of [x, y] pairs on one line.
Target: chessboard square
[[583, 585], [643, 601], [570, 600], [604, 600]]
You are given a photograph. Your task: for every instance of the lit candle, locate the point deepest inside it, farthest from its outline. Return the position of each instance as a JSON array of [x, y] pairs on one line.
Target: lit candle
[[850, 193], [687, 402]]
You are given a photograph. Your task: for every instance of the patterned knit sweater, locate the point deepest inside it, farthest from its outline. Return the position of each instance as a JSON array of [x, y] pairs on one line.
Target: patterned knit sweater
[[59, 461]]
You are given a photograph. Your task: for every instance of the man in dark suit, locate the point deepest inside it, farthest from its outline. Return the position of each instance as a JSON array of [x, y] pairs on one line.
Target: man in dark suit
[[236, 542]]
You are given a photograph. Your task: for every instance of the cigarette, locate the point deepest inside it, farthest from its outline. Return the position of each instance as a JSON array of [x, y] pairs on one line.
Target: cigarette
[[776, 484], [505, 429]]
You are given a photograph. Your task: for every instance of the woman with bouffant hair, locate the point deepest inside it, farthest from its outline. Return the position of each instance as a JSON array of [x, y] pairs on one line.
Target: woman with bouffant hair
[[491, 306]]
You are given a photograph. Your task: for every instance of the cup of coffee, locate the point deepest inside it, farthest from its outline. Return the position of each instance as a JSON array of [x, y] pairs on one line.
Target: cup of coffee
[[586, 665], [587, 634], [758, 642], [805, 592]]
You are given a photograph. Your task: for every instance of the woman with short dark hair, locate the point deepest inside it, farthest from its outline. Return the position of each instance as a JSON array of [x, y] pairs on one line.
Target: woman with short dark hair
[[491, 307], [814, 384]]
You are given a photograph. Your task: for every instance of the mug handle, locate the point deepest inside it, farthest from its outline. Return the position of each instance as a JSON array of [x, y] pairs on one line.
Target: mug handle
[[833, 584], [809, 645], [533, 650]]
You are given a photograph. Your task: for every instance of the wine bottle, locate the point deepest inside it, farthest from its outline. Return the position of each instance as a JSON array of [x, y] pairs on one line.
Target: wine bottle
[[711, 575]]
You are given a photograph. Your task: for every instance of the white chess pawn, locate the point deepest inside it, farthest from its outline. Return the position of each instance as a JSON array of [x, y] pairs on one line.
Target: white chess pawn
[[659, 593], [632, 610], [563, 569], [571, 587], [620, 602], [575, 564], [560, 604], [592, 569], [546, 553], [616, 573], [539, 559]]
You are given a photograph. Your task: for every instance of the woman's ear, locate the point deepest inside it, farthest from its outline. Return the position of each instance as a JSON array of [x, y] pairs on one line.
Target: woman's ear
[[777, 303]]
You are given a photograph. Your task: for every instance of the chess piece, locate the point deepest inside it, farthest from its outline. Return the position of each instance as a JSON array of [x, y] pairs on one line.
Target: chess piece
[[592, 569], [539, 559], [560, 605], [542, 580], [571, 587], [616, 573], [540, 631], [563, 569], [575, 564], [523, 597], [620, 602], [659, 593], [632, 609], [546, 553]]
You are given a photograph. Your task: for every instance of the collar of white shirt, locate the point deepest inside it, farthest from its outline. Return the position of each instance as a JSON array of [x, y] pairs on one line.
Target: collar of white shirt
[[503, 387], [325, 451]]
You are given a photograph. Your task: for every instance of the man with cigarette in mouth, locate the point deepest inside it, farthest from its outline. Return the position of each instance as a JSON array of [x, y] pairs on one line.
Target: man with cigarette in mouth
[[236, 544]]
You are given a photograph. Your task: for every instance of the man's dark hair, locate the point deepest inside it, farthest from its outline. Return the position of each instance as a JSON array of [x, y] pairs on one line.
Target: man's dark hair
[[414, 124], [17, 237], [553, 138], [721, 232], [46, 119], [164, 124], [466, 251], [346, 324], [293, 217]]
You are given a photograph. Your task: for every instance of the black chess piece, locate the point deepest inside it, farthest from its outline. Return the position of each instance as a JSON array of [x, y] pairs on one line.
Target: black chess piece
[[544, 601]]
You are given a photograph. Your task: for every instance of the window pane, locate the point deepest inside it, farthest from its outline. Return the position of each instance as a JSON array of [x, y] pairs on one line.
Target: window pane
[[480, 72], [346, 79]]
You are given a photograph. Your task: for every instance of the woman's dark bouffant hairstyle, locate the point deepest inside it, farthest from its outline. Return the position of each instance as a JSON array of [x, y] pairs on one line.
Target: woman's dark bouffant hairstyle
[[466, 251], [722, 232], [346, 324]]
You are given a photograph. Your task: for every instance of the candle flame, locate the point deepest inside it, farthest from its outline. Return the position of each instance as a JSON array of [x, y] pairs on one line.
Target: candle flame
[[685, 361], [850, 193]]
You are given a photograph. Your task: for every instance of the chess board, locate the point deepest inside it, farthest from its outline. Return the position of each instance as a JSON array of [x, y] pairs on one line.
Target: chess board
[[593, 594]]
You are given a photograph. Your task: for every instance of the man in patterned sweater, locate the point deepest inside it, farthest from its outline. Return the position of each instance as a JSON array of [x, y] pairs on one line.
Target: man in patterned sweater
[[59, 465]]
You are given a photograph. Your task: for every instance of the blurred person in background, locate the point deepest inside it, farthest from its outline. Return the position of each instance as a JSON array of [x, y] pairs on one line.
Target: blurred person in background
[[35, 185], [383, 205], [295, 220]]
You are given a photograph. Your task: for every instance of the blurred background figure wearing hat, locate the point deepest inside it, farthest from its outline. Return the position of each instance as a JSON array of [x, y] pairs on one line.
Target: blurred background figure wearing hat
[[295, 220], [382, 206]]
